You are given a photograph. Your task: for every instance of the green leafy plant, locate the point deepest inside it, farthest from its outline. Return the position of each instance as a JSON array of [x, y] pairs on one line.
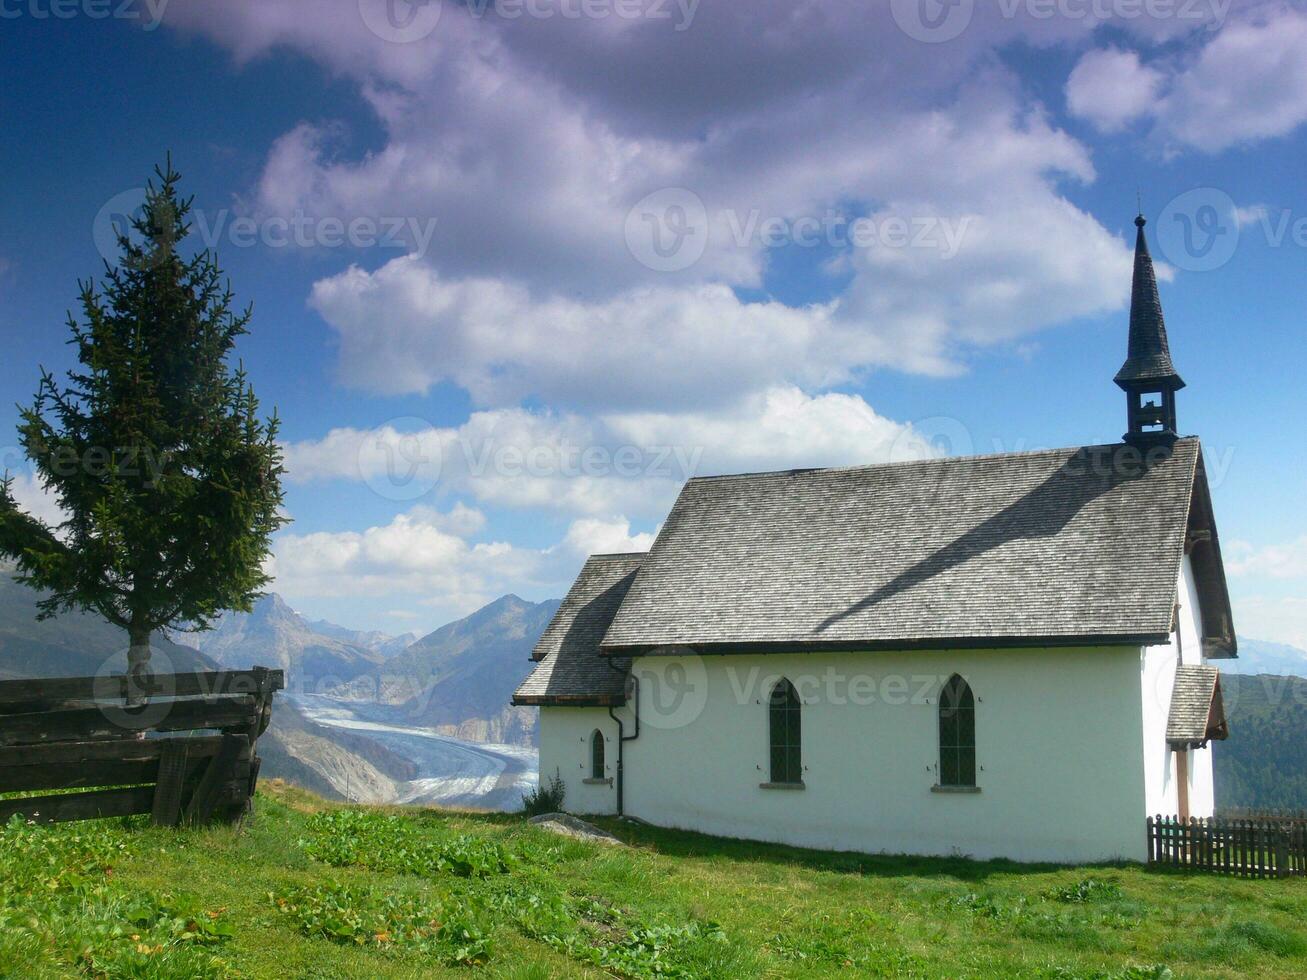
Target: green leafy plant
[[546, 798], [1088, 890], [366, 917], [59, 892], [385, 842]]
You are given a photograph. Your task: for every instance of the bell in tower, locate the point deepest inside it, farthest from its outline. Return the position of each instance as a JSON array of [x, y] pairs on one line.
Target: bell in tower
[[1148, 377]]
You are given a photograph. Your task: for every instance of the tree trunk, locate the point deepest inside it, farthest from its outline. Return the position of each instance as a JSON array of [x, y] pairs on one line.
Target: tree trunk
[[138, 665]]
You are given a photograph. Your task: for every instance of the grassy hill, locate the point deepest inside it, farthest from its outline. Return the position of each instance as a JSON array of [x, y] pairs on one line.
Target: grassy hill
[[1264, 762], [311, 889]]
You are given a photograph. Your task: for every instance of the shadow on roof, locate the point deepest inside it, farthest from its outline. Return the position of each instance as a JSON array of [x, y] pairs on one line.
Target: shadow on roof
[[1044, 512]]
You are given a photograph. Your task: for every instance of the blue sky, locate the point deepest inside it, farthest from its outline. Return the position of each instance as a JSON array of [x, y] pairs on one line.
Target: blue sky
[[874, 234]]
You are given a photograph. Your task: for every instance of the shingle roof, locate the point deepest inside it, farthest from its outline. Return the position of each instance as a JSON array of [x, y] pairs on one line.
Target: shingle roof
[[1062, 546], [1149, 353], [1197, 712], [570, 669]]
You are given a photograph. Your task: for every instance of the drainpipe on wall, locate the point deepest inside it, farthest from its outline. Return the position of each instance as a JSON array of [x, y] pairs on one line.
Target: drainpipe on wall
[[622, 737]]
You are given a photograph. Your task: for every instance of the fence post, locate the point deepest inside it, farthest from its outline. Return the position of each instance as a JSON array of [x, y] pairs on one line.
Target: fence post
[[1281, 852]]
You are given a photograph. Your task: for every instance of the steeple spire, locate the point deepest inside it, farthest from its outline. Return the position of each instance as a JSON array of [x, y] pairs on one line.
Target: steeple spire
[[1148, 372]]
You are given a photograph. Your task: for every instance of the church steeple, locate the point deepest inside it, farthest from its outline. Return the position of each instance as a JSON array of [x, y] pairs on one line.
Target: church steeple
[[1148, 377]]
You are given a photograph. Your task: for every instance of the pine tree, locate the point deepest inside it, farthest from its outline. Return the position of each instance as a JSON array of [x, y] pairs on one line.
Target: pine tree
[[154, 448]]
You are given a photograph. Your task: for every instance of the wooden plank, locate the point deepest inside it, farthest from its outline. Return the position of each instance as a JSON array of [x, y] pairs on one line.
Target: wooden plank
[[114, 687], [80, 806], [122, 750], [167, 805], [219, 772], [87, 724], [28, 779]]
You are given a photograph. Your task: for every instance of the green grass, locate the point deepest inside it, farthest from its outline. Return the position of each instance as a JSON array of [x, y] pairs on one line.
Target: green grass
[[311, 890]]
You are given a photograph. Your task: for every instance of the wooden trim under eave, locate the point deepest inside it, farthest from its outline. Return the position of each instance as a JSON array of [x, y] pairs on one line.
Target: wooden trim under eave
[[557, 701]]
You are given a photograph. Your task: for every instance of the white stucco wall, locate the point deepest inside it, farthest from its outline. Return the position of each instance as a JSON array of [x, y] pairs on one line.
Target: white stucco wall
[[1158, 679], [1059, 751], [565, 748]]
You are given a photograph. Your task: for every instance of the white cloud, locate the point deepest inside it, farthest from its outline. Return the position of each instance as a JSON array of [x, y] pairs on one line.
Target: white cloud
[[1278, 561], [428, 557], [1111, 88], [1244, 83], [619, 462], [589, 536], [404, 328], [34, 498], [777, 429], [1249, 83], [1280, 619], [530, 142]]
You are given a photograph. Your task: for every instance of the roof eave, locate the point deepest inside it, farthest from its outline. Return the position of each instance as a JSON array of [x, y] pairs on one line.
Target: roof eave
[[802, 645], [568, 701]]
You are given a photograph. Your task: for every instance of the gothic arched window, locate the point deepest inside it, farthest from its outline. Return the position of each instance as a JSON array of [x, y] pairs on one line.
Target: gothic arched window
[[957, 734], [597, 755], [786, 734]]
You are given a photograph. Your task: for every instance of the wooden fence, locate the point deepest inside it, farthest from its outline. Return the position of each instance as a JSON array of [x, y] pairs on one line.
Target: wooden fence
[[1272, 847], [180, 747]]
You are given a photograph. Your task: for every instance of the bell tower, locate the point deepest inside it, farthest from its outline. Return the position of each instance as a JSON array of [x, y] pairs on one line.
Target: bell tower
[[1148, 377]]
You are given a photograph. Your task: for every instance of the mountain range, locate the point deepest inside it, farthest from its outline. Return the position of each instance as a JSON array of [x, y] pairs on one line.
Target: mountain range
[[1265, 657], [459, 679], [73, 644], [316, 656]]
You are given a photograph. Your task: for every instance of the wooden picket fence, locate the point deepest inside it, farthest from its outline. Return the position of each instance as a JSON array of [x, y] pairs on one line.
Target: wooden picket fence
[[1265, 847]]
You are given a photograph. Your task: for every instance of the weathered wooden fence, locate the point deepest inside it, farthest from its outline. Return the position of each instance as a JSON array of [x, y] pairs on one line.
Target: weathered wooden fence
[[180, 747], [1271, 847]]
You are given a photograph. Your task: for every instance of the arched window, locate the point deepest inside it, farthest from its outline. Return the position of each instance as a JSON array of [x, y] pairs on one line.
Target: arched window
[[597, 755], [786, 735], [957, 734]]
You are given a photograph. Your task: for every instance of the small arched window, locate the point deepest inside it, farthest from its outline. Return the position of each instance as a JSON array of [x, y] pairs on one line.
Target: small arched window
[[597, 755], [957, 734], [786, 734]]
